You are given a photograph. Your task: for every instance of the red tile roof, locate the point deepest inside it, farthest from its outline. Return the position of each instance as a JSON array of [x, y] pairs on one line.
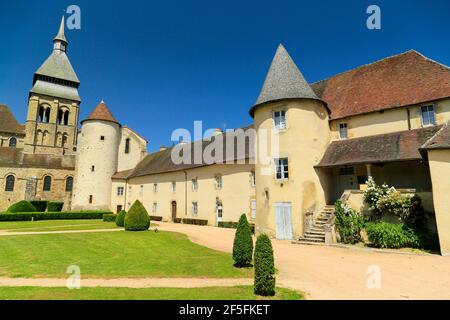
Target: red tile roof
[[101, 112], [390, 147], [8, 122], [441, 140], [405, 79]]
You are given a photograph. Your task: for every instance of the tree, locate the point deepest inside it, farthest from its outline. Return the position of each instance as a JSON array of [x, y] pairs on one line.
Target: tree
[[137, 218], [243, 244], [120, 218], [264, 267]]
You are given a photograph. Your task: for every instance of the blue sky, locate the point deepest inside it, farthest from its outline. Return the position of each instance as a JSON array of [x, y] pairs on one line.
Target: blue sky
[[161, 65]]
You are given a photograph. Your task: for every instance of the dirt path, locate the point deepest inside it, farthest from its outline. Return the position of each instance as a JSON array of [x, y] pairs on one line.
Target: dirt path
[[127, 282], [339, 273]]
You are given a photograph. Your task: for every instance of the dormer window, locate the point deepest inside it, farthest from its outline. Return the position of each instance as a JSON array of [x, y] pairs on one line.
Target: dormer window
[[428, 115], [343, 131], [279, 120]]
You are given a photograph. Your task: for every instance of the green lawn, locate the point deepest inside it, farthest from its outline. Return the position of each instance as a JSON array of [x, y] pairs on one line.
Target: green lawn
[[52, 225], [113, 254], [214, 293]]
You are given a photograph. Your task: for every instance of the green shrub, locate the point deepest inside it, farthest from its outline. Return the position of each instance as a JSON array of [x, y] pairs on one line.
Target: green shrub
[[243, 244], [177, 220], [349, 223], [264, 267], [40, 205], [233, 225], [372, 194], [137, 218], [72, 215], [198, 222], [156, 218], [120, 218], [109, 217], [55, 206], [389, 235], [21, 206]]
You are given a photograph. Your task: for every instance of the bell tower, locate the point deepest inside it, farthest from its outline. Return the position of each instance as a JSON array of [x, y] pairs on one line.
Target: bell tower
[[53, 105]]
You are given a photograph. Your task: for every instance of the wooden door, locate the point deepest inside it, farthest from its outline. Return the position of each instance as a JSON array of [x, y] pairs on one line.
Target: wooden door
[[283, 221]]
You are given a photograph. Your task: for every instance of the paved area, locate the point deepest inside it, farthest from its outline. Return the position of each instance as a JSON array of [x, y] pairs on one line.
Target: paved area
[[127, 282], [338, 273]]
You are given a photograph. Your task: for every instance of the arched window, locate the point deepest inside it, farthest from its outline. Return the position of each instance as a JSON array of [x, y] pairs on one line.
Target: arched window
[[10, 180], [60, 116], [69, 184], [47, 115], [127, 145], [41, 114], [64, 140], [66, 118], [47, 183], [13, 142]]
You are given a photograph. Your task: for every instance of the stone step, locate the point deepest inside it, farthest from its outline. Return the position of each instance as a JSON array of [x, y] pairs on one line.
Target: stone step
[[308, 243], [315, 234], [316, 229], [303, 239]]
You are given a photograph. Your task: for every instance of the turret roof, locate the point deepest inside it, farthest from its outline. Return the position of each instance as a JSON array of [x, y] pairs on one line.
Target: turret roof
[[101, 112]]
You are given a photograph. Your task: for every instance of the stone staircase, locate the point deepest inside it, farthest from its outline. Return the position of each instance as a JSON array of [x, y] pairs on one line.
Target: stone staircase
[[315, 234]]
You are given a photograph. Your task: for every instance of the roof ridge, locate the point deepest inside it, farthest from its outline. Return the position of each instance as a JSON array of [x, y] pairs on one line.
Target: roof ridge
[[444, 126]]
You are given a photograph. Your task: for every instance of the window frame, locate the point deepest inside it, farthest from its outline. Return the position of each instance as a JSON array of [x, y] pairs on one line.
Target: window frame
[[47, 186], [194, 183], [120, 191], [12, 143], [8, 188], [340, 128], [194, 209], [282, 124], [67, 189], [155, 187], [218, 182], [429, 108], [253, 179], [174, 186], [155, 207], [279, 163]]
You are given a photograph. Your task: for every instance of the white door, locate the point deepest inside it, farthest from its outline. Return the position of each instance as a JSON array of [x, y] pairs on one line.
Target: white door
[[283, 220], [253, 209]]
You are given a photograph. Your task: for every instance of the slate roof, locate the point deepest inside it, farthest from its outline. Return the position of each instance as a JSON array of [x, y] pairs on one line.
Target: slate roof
[[441, 140], [390, 147], [401, 80], [8, 122], [161, 161], [55, 90], [58, 66], [284, 81], [101, 112], [14, 157]]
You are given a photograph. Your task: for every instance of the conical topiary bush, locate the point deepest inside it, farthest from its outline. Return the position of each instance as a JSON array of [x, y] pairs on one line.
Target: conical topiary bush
[[21, 206], [243, 244], [120, 219], [137, 218], [264, 267]]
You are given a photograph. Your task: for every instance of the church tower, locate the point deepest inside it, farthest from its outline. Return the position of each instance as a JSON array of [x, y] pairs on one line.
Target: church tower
[[53, 105]]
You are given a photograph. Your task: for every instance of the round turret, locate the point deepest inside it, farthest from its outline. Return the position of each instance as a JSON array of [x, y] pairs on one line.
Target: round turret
[[98, 149]]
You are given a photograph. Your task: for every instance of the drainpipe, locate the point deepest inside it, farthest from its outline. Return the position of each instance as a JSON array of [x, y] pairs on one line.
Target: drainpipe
[[125, 195], [185, 193], [408, 114], [369, 170]]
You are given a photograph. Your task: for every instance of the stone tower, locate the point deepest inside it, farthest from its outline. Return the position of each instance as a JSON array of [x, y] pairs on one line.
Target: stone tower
[[98, 150], [292, 125], [53, 105]]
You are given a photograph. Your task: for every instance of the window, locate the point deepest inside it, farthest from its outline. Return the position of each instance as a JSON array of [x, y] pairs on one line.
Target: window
[[63, 117], [279, 120], [119, 208], [346, 171], [91, 198], [218, 182], [155, 187], [253, 209], [194, 209], [343, 131], [127, 145], [69, 184], [13, 142], [141, 190], [102, 138], [155, 207], [47, 183], [281, 169], [253, 179], [120, 191], [10, 180], [174, 186], [428, 115], [64, 140], [194, 184], [93, 168]]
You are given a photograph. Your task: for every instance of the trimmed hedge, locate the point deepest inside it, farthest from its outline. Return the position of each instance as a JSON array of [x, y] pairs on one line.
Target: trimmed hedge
[[233, 225], [72, 215], [177, 220], [137, 218], [109, 217], [120, 218], [389, 235], [21, 206], [55, 206], [264, 267], [243, 244], [156, 218], [40, 205], [198, 222]]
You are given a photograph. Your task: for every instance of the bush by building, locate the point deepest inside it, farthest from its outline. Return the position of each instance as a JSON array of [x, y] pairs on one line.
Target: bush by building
[[21, 206], [55, 206], [120, 218], [349, 223], [72, 215], [390, 235], [137, 218], [40, 205], [243, 244], [264, 267], [109, 217]]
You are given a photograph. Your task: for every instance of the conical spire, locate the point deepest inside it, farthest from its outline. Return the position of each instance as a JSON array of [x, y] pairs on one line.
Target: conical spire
[[101, 112], [61, 36], [284, 81]]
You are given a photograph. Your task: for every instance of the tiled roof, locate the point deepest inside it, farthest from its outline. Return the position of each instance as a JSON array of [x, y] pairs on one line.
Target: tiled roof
[[8, 122], [14, 157], [58, 66], [405, 79], [122, 174], [101, 112], [397, 146], [441, 140], [284, 81], [160, 162]]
